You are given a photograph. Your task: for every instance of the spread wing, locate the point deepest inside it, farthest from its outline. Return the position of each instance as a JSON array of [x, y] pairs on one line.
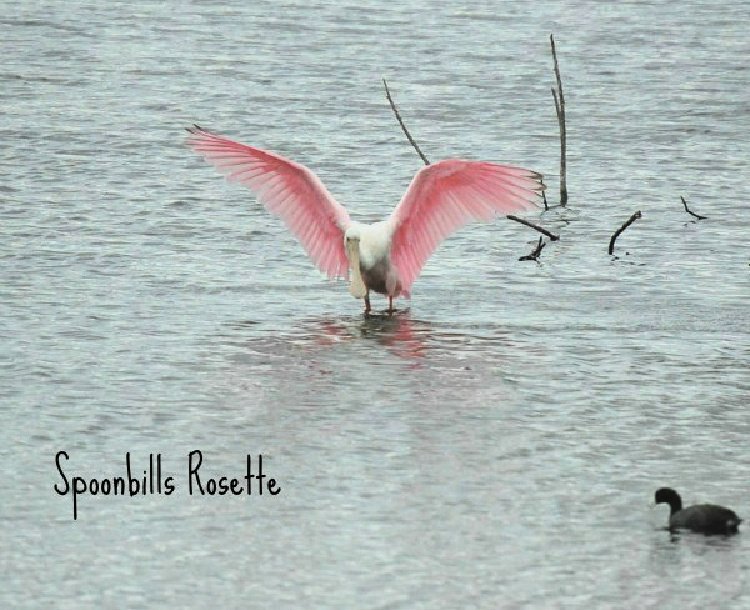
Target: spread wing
[[445, 196], [288, 190]]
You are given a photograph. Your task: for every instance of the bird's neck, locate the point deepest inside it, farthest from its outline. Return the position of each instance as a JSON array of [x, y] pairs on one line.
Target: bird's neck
[[675, 505], [374, 243]]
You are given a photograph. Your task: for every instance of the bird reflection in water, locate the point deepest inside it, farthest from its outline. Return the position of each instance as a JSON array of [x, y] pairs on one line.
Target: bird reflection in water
[[398, 333]]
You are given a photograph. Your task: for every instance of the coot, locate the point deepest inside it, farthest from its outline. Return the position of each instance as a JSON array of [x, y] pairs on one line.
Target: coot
[[703, 518]]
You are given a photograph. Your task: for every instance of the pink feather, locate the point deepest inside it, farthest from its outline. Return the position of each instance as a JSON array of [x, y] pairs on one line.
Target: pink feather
[[288, 190], [445, 196]]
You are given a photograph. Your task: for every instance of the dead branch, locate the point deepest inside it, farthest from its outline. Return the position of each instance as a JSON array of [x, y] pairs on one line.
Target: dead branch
[[560, 111], [624, 226], [544, 198], [689, 211], [401, 122], [534, 256], [542, 230]]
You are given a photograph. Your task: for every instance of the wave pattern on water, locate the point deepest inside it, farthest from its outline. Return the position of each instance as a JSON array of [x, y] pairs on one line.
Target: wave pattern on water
[[494, 444]]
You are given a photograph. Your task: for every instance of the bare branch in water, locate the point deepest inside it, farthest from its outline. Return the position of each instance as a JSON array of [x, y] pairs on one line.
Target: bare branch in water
[[534, 256], [401, 122], [560, 111], [624, 226], [689, 211], [542, 230]]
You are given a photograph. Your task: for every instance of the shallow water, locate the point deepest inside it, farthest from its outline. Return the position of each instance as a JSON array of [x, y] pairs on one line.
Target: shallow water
[[496, 443]]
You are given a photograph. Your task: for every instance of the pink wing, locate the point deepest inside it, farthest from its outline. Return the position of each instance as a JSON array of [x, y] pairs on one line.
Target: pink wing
[[447, 195], [288, 190]]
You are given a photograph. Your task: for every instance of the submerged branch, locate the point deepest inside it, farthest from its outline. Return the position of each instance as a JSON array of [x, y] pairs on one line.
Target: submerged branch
[[534, 256]]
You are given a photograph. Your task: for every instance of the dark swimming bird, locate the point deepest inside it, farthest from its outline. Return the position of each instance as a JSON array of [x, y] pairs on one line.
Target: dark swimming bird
[[703, 518]]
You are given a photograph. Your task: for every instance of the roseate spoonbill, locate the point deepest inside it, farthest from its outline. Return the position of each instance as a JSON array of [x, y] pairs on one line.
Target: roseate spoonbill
[[703, 518], [385, 256]]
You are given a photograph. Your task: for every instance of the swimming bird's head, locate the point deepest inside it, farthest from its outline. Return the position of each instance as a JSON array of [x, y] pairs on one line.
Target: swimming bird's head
[[668, 496]]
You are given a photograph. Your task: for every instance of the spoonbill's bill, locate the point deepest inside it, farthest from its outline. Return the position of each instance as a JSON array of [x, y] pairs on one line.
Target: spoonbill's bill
[[385, 256]]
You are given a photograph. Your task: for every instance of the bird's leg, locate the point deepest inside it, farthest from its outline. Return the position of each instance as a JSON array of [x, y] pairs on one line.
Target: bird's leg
[[367, 303], [390, 304]]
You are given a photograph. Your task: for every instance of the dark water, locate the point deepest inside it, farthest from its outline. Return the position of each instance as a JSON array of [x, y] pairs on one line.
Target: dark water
[[495, 446]]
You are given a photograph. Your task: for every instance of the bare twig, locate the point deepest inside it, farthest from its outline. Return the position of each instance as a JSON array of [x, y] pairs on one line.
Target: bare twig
[[401, 122], [534, 256], [689, 211], [544, 198], [625, 225], [552, 236], [560, 110]]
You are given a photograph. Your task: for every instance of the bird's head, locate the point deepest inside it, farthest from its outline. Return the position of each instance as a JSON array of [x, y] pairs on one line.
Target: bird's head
[[669, 496], [352, 234]]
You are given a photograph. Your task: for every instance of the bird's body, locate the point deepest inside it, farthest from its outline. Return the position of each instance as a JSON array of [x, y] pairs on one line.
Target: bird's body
[[386, 256], [702, 518], [368, 251]]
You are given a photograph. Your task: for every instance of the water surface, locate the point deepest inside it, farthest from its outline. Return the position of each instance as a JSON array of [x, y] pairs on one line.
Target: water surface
[[494, 445]]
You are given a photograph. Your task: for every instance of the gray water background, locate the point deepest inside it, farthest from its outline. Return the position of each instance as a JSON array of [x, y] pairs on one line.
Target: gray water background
[[495, 446]]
